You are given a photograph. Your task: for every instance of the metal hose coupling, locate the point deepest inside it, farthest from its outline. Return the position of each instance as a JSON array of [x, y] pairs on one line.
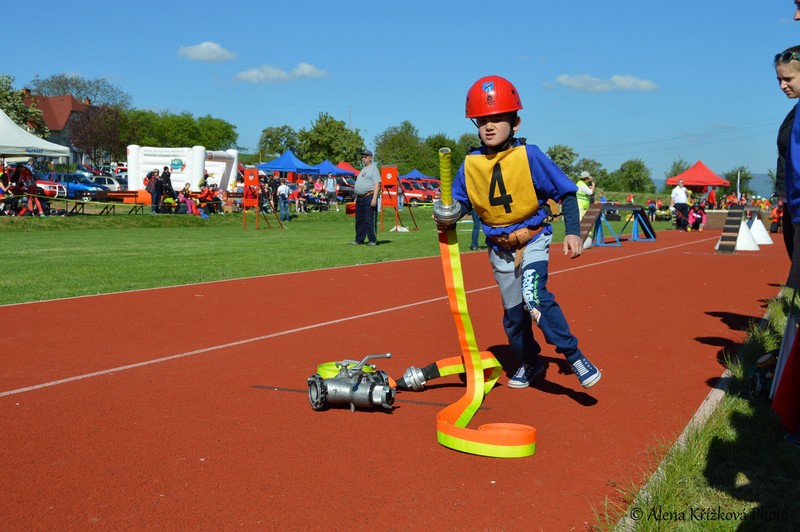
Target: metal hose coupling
[[416, 378], [446, 214], [412, 379]]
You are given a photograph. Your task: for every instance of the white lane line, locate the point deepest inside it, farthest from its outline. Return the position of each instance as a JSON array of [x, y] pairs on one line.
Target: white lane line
[[306, 328]]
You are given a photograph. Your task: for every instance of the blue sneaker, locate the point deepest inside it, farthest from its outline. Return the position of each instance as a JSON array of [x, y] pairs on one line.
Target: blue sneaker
[[525, 375], [586, 372]]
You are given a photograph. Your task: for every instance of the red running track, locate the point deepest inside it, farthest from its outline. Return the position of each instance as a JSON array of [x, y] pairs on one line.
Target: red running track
[[192, 412]]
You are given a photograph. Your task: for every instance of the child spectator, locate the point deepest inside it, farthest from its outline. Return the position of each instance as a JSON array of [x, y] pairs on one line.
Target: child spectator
[[185, 197], [697, 218]]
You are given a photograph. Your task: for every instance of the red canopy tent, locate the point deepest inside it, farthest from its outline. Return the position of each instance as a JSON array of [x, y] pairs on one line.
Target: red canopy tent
[[699, 176], [347, 166]]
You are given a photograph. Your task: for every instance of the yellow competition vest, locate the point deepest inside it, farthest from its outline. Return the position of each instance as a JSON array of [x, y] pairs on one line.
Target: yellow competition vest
[[500, 186]]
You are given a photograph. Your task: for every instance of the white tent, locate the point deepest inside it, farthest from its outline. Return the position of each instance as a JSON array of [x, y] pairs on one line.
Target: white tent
[[16, 141]]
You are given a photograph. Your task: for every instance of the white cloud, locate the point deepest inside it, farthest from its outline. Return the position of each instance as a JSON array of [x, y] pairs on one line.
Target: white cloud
[[587, 83], [207, 51], [271, 74]]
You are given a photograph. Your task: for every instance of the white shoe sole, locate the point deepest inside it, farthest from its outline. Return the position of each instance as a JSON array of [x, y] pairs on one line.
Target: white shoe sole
[[594, 380], [518, 385]]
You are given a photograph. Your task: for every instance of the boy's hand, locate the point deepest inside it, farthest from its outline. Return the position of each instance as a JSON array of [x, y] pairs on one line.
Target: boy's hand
[[442, 227], [446, 216], [573, 246]]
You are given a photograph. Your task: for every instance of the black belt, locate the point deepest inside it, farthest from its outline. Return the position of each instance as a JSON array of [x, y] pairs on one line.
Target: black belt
[[364, 195]]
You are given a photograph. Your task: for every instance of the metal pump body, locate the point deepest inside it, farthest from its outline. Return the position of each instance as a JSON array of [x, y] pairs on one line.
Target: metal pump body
[[354, 385]]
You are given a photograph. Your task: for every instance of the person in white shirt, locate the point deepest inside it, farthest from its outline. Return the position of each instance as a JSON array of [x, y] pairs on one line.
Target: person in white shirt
[[679, 201], [283, 201]]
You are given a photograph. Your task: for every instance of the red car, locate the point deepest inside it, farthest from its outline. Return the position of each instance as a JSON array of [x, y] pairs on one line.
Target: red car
[[51, 189], [434, 183], [45, 187], [414, 193]]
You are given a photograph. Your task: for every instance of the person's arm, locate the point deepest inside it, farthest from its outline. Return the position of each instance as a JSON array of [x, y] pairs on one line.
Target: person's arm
[[376, 191], [573, 246]]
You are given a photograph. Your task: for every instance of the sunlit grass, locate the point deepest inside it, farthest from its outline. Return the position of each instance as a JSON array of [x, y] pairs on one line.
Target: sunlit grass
[[733, 472]]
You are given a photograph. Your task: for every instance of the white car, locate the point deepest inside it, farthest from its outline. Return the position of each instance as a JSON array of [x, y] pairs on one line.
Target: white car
[[115, 183]]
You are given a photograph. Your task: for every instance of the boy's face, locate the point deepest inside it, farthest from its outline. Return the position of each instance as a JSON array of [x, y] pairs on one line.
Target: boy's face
[[494, 130], [789, 78]]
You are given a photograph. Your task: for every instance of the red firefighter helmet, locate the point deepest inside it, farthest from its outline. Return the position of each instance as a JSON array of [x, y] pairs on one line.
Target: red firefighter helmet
[[492, 95]]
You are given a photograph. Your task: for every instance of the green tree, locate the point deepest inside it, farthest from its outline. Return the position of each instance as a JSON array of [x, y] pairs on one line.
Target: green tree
[[565, 158], [678, 167], [401, 145], [468, 142], [633, 176], [741, 175], [595, 168], [142, 127], [99, 91], [180, 130], [216, 134], [12, 102], [276, 140], [329, 139], [90, 132], [147, 128], [433, 143]]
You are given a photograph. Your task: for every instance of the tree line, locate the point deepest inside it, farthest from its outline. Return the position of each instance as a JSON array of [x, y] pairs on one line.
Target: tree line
[[109, 125]]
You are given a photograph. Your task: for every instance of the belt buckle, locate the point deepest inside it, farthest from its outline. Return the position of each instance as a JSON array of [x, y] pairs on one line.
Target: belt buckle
[[503, 242]]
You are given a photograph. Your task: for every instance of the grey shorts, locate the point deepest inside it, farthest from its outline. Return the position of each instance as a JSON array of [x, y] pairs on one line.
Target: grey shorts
[[508, 278]]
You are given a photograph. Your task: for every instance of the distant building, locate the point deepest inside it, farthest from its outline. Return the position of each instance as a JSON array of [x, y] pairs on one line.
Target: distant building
[[59, 112]]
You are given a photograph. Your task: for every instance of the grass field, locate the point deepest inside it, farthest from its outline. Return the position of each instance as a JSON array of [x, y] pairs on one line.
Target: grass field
[[56, 257]]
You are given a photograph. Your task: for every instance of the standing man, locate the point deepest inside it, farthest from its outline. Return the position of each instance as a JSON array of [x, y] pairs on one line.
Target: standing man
[[368, 187], [679, 200], [586, 187], [330, 191], [283, 201], [712, 196], [154, 188], [166, 183], [797, 9], [274, 183]]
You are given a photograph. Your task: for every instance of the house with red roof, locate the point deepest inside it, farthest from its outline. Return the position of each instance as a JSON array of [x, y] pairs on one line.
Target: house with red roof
[[59, 112]]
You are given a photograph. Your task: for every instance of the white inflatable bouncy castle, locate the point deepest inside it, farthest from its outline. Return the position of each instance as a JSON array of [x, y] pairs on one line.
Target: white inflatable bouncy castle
[[187, 165]]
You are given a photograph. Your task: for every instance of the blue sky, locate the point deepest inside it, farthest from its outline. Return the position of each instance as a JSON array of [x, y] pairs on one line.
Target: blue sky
[[614, 80]]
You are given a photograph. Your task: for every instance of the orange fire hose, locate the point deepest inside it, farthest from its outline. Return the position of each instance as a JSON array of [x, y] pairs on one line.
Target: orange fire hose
[[500, 440]]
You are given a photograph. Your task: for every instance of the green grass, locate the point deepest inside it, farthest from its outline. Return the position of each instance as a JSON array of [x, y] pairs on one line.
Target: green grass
[[56, 257]]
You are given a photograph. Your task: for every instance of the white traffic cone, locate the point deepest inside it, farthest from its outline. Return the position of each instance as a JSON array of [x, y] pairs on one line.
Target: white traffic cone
[[745, 240], [759, 232]]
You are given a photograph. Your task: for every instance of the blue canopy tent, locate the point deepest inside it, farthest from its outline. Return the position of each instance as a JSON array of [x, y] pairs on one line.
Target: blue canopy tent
[[288, 162], [326, 167], [416, 174]]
